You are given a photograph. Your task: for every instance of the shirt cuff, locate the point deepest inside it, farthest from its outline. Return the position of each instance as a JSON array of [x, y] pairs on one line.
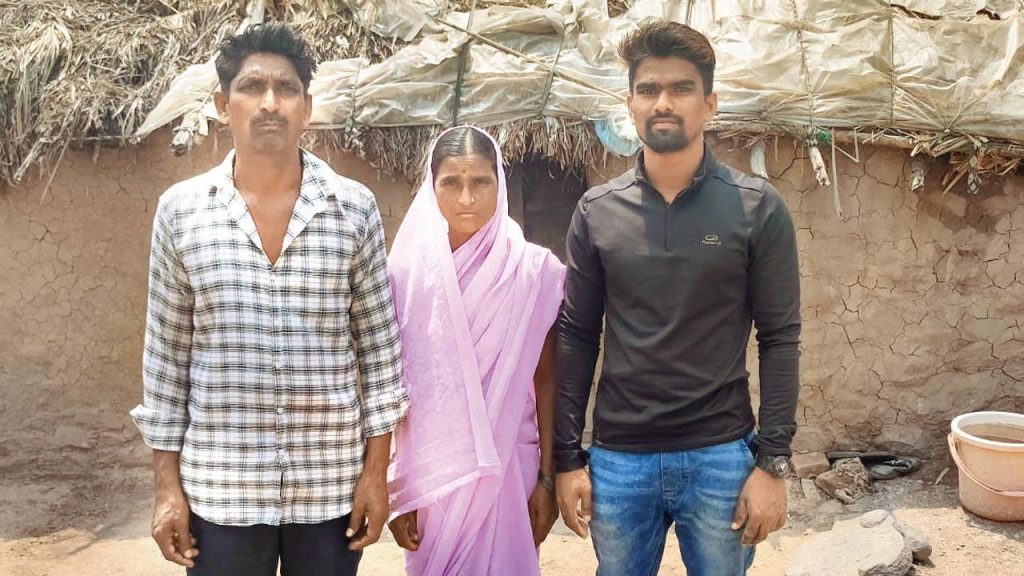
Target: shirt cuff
[[771, 447], [570, 460], [160, 430], [383, 411]]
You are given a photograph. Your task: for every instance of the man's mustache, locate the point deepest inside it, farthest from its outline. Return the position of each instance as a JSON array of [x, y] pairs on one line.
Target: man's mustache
[[673, 117], [269, 120]]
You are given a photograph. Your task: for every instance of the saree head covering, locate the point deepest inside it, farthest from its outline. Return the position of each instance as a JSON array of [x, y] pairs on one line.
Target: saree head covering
[[473, 324]]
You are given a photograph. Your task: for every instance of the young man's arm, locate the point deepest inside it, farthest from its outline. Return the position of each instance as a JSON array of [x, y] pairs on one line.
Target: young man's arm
[[384, 401], [579, 336], [162, 418], [774, 291]]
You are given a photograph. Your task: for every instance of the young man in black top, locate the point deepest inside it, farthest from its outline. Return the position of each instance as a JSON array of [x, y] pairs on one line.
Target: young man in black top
[[679, 256]]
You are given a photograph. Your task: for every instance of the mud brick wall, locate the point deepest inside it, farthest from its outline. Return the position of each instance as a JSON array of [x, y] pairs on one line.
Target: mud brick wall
[[73, 277], [913, 304]]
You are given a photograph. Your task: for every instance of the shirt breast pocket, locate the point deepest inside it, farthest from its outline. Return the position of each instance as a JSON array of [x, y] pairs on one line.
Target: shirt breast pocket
[[224, 273], [319, 288]]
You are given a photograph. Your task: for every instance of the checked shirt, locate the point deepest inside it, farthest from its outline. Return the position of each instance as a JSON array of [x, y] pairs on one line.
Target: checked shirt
[[268, 379]]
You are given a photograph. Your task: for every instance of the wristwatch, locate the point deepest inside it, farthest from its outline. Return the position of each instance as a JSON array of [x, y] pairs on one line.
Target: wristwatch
[[777, 466]]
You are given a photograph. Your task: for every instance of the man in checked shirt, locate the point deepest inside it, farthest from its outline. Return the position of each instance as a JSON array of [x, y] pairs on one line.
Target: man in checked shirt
[[268, 296]]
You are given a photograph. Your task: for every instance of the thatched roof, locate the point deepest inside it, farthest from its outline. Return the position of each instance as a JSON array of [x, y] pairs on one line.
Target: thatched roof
[[87, 72], [77, 73]]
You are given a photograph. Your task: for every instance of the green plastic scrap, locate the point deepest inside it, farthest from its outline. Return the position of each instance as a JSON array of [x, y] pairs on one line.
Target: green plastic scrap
[[819, 136]]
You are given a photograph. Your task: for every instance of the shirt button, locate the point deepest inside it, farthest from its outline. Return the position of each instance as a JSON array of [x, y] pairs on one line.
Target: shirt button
[[280, 410], [278, 365]]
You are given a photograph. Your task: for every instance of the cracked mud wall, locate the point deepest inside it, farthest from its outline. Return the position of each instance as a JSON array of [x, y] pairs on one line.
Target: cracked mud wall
[[73, 297], [913, 305]]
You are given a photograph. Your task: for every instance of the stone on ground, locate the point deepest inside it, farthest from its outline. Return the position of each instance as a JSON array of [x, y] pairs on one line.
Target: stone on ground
[[810, 491], [809, 465], [920, 547], [874, 518], [851, 549], [847, 481]]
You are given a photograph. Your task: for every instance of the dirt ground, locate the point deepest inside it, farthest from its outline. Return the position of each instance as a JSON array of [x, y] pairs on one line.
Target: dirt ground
[[98, 525]]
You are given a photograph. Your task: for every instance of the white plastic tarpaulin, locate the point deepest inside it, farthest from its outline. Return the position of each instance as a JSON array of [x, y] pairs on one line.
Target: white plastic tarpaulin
[[931, 66]]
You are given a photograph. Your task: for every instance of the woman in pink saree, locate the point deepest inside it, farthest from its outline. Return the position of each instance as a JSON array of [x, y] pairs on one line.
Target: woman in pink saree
[[471, 481]]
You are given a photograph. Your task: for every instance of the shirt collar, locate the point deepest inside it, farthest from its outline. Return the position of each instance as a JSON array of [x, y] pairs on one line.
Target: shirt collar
[[314, 188], [705, 168], [314, 191]]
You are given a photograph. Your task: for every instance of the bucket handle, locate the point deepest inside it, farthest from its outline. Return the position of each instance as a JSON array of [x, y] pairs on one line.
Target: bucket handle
[[955, 452]]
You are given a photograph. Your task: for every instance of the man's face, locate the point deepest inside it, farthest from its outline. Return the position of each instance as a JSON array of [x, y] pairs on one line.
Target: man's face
[[266, 104], [667, 104]]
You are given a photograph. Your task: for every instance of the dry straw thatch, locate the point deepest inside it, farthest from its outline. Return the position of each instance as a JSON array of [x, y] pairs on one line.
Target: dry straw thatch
[[86, 72], [571, 144], [77, 73], [89, 71]]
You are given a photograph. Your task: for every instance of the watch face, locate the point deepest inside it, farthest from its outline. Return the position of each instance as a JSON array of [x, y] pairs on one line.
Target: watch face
[[782, 466], [777, 466]]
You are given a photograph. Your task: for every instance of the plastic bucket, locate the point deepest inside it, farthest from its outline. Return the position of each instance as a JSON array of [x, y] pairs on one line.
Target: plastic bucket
[[988, 448]]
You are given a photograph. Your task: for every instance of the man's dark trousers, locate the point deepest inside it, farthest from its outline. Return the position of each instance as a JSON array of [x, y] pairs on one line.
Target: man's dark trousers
[[303, 549]]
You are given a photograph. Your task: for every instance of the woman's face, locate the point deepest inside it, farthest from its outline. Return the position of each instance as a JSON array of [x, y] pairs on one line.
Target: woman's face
[[467, 193]]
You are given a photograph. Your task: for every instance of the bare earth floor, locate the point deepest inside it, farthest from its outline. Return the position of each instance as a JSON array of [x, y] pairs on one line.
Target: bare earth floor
[[98, 525]]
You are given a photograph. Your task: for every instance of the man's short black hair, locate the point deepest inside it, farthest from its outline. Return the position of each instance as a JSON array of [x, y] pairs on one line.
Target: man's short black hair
[[664, 39], [269, 38]]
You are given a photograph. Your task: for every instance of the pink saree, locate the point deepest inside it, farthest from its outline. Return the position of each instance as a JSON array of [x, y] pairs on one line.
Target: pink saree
[[472, 324]]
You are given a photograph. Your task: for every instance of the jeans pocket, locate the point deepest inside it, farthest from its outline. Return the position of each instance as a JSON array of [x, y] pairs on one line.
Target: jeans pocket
[[748, 453]]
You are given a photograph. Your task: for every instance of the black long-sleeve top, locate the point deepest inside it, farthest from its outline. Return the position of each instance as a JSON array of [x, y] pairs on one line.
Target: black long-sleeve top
[[678, 285]]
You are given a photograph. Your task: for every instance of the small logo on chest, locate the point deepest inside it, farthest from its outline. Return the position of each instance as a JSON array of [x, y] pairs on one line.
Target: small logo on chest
[[711, 240]]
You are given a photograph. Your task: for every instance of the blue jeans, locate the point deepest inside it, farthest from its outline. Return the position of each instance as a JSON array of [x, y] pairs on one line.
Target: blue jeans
[[638, 496]]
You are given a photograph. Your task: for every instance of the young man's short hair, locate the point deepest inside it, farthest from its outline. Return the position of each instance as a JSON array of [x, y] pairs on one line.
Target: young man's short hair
[[664, 39], [269, 38]]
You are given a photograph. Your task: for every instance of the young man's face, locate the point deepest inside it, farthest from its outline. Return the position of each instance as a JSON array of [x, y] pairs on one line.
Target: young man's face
[[668, 105], [266, 104]]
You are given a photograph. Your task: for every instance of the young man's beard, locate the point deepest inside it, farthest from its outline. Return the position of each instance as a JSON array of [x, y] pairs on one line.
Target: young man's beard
[[665, 141]]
